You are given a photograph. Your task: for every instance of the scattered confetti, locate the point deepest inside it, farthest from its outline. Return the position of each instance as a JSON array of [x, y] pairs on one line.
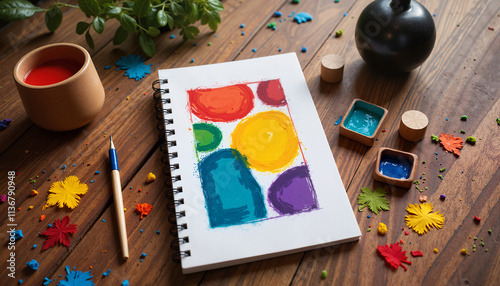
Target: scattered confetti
[[471, 140], [382, 228], [393, 255], [105, 274], [144, 209], [451, 143], [76, 278], [463, 117], [442, 197], [35, 246], [490, 231], [272, 25], [17, 234], [375, 200], [66, 193], [498, 121], [434, 138], [323, 274], [277, 14], [491, 28], [304, 49], [302, 17], [172, 36], [463, 251], [33, 264], [143, 255], [103, 220], [368, 229], [338, 120], [295, 1], [4, 123], [435, 250], [125, 283], [242, 25], [442, 169], [423, 199], [339, 33], [97, 172], [416, 253], [157, 232], [150, 178], [134, 65], [42, 217], [58, 233], [47, 281], [254, 50], [3, 198], [421, 218], [476, 219]]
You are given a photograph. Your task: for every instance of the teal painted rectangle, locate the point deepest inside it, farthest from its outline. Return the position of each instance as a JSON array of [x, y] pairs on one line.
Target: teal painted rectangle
[[364, 118]]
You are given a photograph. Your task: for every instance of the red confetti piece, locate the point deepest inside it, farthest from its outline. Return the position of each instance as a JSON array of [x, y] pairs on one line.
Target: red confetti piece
[[383, 130], [491, 28], [401, 241], [59, 232], [406, 232], [393, 255], [478, 220], [416, 253]]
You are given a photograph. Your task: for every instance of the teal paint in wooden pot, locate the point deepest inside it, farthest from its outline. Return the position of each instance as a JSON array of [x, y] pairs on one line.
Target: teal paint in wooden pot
[[364, 118], [362, 121]]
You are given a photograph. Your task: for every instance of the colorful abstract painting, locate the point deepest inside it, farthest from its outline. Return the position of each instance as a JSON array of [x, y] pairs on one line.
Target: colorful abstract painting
[[251, 163]]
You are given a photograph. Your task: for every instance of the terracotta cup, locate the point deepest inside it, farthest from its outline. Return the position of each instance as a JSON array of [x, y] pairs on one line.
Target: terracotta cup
[[65, 105]]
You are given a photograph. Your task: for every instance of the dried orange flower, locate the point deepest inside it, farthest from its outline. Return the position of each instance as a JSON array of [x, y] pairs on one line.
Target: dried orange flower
[[451, 143]]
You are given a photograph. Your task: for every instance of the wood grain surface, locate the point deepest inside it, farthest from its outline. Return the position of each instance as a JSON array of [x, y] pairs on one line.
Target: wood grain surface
[[459, 78]]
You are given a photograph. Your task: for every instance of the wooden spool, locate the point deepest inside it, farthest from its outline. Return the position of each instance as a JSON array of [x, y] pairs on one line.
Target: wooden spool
[[413, 125], [332, 68]]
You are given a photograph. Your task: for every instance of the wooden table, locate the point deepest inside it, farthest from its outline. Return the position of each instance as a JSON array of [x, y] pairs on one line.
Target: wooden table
[[461, 77]]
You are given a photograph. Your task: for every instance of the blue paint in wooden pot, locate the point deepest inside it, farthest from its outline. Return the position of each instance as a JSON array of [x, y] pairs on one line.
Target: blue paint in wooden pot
[[395, 167]]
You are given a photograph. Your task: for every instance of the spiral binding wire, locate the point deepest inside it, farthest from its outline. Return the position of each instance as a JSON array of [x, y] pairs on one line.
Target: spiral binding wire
[[163, 134]]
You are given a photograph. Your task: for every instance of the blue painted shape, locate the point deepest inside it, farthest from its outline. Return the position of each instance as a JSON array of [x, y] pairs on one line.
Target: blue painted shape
[[134, 64], [232, 195], [395, 167], [302, 17], [364, 118]]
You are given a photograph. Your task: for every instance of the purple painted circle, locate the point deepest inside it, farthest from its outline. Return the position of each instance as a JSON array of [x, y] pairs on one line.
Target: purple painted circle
[[293, 192]]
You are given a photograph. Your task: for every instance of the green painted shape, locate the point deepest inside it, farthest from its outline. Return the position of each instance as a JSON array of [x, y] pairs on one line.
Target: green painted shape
[[208, 136]]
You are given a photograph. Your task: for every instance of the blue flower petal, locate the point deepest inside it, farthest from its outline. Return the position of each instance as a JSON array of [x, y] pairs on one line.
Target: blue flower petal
[[134, 65]]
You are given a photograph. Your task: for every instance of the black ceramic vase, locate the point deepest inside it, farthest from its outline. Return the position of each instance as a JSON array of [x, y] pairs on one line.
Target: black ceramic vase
[[395, 35]]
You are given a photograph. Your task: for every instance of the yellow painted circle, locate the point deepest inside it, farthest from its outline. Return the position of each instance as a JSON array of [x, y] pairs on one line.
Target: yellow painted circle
[[267, 140]]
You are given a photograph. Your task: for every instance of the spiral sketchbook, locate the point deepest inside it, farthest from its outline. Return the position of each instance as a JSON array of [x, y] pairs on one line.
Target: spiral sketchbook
[[251, 170]]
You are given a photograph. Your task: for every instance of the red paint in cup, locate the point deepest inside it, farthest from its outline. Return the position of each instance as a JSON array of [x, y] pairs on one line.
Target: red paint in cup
[[52, 71]]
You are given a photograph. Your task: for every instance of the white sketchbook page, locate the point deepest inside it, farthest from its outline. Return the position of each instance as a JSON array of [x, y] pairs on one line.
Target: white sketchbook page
[[333, 222]]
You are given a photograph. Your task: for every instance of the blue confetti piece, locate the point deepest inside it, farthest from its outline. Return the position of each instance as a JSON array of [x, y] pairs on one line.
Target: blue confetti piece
[[33, 264], [302, 17], [35, 246], [195, 44], [21, 281], [74, 165], [92, 181], [63, 167], [338, 120], [46, 281], [141, 260], [134, 65], [436, 153], [345, 14], [277, 14], [125, 283], [192, 60], [434, 15], [49, 225], [279, 50], [447, 119], [172, 36], [143, 255], [97, 172], [215, 36], [304, 49], [293, 13], [141, 230], [281, 20], [103, 220], [43, 171], [243, 33], [157, 232], [105, 274], [18, 234], [76, 278], [107, 67], [254, 50], [242, 26]]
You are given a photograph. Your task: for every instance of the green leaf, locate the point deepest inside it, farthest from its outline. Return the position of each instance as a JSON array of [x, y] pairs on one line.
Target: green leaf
[[53, 18], [193, 13], [147, 44], [89, 7], [176, 9], [189, 32], [89, 40], [113, 11], [16, 10], [213, 25], [81, 27], [375, 200], [161, 18], [153, 32], [120, 36], [98, 24], [142, 8], [170, 21], [128, 23], [215, 5]]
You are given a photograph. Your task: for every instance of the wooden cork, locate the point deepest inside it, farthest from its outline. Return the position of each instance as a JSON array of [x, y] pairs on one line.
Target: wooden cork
[[332, 68], [413, 125]]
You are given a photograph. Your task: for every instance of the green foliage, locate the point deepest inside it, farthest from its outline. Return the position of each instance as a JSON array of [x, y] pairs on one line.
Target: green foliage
[[143, 17], [375, 200]]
